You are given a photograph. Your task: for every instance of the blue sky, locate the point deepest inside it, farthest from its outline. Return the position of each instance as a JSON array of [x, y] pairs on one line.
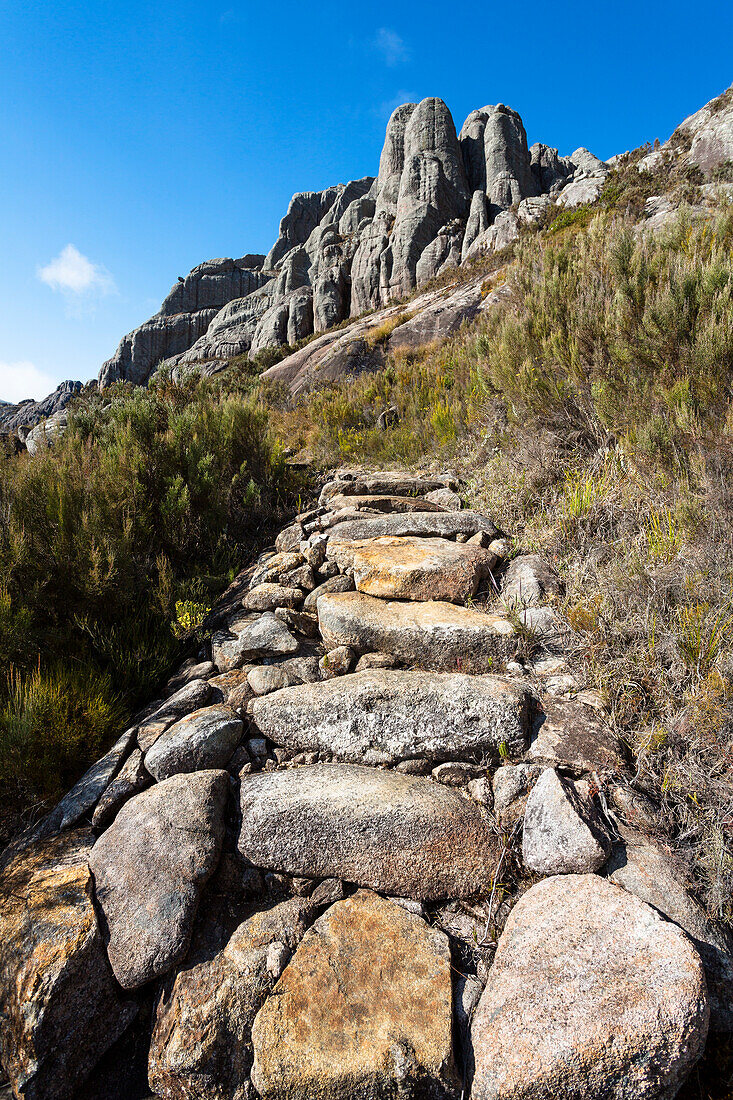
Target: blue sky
[[139, 139]]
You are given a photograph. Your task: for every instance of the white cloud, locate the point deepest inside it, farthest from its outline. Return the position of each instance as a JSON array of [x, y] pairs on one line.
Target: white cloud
[[74, 275], [23, 379], [391, 46]]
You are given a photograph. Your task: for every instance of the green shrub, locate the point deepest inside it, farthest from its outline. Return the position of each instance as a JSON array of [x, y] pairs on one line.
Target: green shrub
[[54, 723]]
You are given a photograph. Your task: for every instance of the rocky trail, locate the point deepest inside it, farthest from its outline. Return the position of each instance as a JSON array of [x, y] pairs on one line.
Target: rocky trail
[[375, 841]]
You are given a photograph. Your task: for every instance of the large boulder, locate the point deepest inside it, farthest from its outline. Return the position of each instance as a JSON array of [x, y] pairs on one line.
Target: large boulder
[[591, 994], [61, 1008], [201, 1041], [363, 1009], [396, 833], [494, 147], [646, 869], [149, 868], [203, 740], [419, 569], [431, 635], [383, 716]]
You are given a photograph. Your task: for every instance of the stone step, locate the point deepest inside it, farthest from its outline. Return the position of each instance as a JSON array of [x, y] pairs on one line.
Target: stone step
[[383, 502], [413, 568], [420, 524], [387, 715], [397, 483], [432, 635], [399, 834], [364, 1008]]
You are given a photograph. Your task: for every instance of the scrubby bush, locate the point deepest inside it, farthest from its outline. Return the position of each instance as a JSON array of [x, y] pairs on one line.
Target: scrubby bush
[[151, 499]]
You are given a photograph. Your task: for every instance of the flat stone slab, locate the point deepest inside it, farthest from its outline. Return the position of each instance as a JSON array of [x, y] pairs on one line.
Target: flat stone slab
[[591, 993], [570, 735], [364, 1008], [432, 634], [61, 1008], [383, 503], [398, 483], [149, 869], [382, 716], [419, 524], [395, 833], [414, 568]]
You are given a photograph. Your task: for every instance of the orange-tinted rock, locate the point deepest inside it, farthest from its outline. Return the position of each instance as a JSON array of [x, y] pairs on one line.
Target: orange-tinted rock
[[363, 1009]]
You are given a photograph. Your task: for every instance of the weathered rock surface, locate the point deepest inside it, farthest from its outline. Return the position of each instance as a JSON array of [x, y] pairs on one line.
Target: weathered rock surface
[[710, 131], [415, 524], [363, 1009], [184, 316], [203, 740], [529, 581], [418, 569], [395, 833], [149, 868], [201, 1037], [591, 994], [562, 835], [266, 597], [265, 636], [388, 483], [646, 870], [383, 716], [131, 778], [61, 1008], [431, 635], [571, 735]]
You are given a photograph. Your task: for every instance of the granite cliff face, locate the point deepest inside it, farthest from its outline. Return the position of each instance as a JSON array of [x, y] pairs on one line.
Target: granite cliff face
[[440, 198]]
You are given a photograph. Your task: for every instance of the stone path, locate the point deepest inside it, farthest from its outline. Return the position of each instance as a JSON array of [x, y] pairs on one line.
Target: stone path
[[360, 847]]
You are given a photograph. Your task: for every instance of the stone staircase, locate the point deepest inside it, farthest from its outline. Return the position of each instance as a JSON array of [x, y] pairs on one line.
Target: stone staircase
[[367, 845]]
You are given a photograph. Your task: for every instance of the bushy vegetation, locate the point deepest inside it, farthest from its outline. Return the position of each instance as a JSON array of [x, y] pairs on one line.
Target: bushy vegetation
[[112, 546]]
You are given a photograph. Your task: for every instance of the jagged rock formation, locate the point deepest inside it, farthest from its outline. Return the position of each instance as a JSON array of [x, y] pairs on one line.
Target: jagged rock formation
[[281, 882], [20, 419], [185, 315], [439, 198]]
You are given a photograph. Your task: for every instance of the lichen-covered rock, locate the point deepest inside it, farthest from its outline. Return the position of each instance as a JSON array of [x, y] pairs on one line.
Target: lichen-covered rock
[[266, 597], [149, 868], [265, 636], [415, 524], [570, 735], [364, 1008], [529, 581], [646, 870], [61, 1008], [418, 568], [383, 716], [399, 834], [591, 994]]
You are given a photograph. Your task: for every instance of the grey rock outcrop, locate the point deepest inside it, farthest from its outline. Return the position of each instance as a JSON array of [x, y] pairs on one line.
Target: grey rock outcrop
[[25, 415], [438, 200], [184, 316]]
